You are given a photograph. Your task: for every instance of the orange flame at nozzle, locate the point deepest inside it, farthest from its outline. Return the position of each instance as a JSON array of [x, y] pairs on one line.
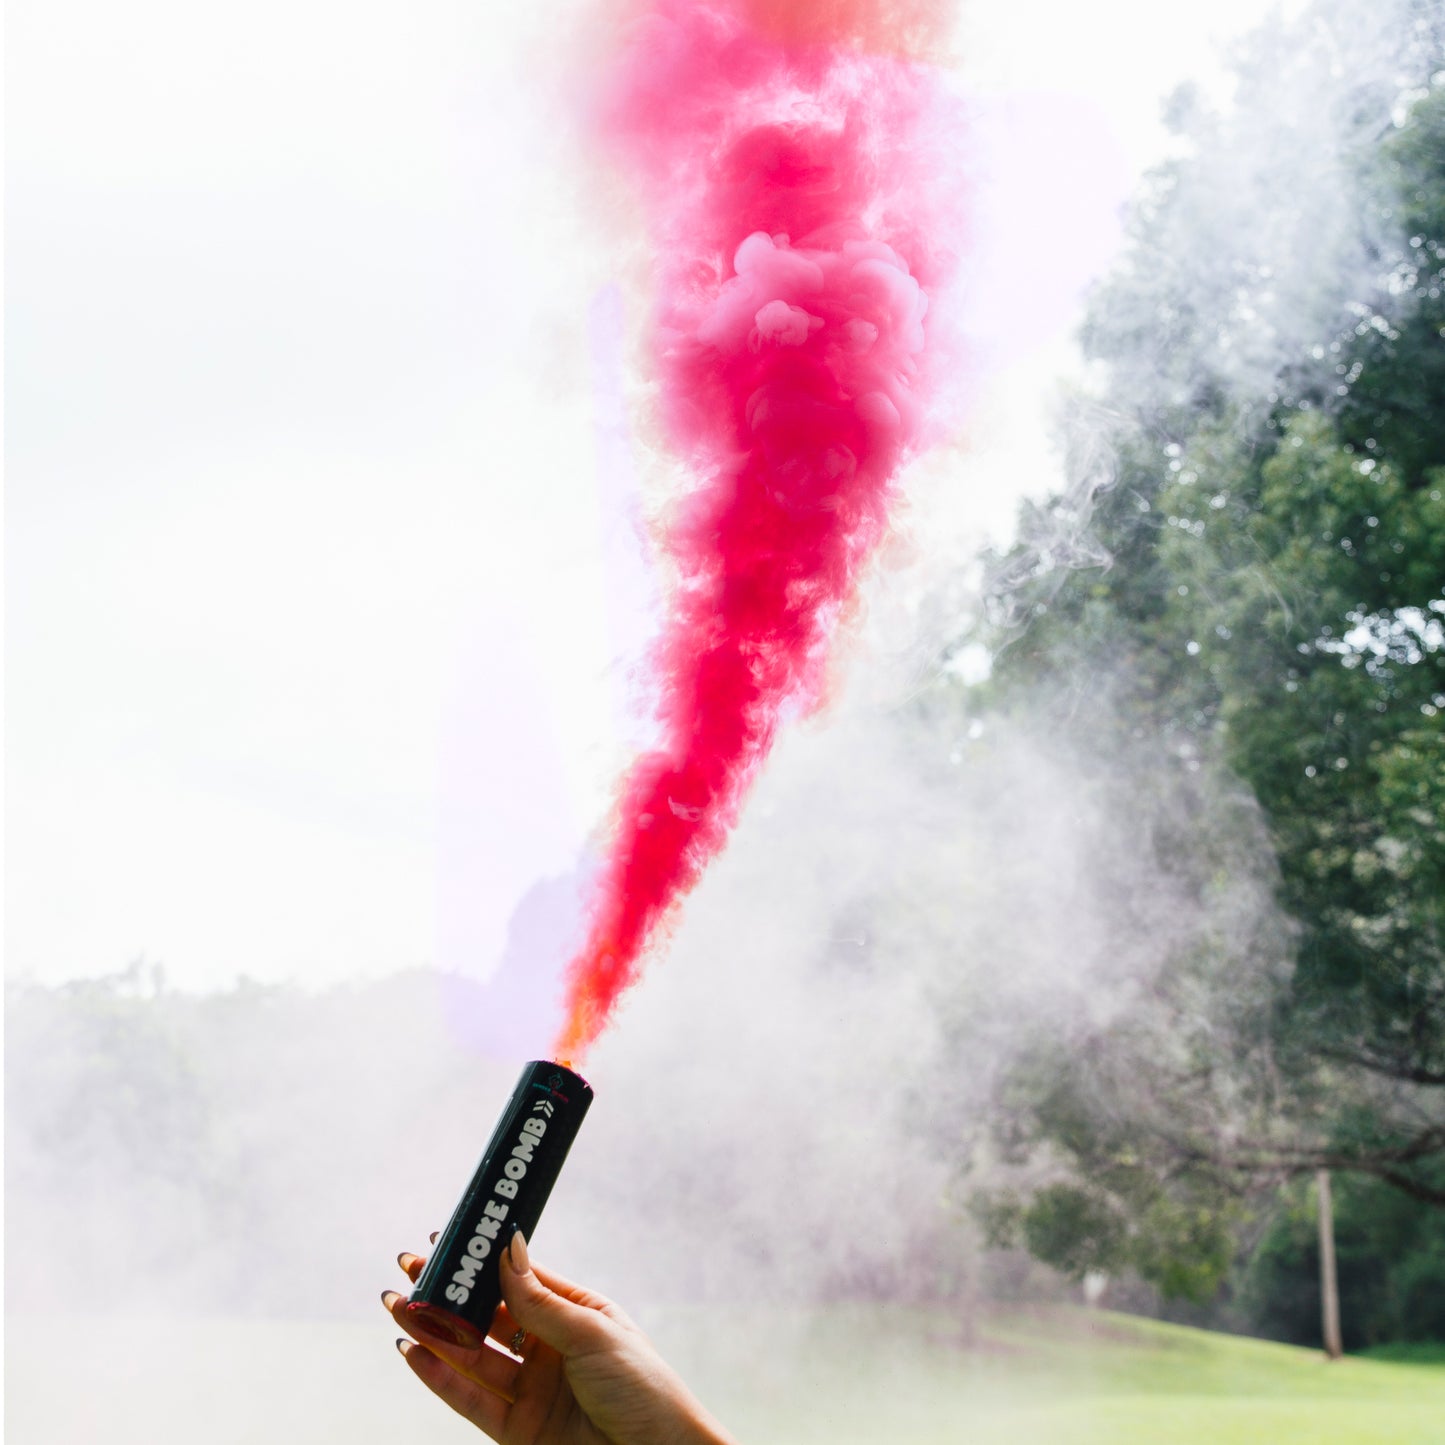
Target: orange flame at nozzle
[[592, 989]]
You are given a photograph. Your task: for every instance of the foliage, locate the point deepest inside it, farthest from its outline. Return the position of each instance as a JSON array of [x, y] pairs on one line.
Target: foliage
[[1273, 617], [1116, 1211], [1073, 1228], [1390, 1256], [1304, 606], [201, 1128]]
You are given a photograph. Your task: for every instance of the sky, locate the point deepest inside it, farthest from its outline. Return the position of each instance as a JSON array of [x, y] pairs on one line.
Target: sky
[[324, 570]]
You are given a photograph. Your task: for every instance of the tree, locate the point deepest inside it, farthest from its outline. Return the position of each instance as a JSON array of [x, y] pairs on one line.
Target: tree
[[1391, 1266], [1273, 616]]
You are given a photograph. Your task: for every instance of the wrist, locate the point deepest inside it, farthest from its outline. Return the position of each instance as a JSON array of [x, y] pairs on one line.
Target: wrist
[[704, 1429]]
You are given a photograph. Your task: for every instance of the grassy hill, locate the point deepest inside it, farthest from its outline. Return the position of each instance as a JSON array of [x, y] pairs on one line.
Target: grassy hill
[[1073, 1377], [857, 1374]]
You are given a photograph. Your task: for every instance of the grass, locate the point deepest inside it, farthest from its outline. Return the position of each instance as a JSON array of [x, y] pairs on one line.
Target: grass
[[1411, 1354], [854, 1375], [1071, 1377]]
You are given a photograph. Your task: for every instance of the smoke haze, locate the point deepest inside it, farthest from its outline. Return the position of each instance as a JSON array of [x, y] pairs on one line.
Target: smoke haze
[[791, 1110]]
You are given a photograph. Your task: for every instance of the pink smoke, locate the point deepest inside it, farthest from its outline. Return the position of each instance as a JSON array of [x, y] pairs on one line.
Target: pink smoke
[[803, 214]]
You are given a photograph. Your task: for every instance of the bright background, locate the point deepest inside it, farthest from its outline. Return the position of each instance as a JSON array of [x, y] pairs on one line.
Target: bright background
[[324, 567]]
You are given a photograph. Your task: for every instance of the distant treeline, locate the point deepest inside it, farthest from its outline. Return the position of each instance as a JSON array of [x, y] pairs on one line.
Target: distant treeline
[[238, 1151], [263, 1150]]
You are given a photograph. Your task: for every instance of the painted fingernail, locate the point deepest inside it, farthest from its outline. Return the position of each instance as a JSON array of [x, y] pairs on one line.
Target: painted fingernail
[[517, 1252], [389, 1297], [404, 1346], [432, 1238], [406, 1259]]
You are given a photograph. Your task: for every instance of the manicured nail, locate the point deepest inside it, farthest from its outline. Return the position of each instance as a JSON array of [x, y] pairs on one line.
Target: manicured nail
[[406, 1259], [517, 1252], [404, 1346], [388, 1297], [433, 1237]]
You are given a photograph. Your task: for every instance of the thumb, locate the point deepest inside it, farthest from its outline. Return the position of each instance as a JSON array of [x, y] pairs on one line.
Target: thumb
[[568, 1327]]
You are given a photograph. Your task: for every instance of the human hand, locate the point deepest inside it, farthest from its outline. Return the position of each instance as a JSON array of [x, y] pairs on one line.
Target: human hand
[[586, 1374]]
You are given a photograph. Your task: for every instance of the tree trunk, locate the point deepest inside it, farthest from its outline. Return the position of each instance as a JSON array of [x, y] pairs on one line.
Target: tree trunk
[[1329, 1283]]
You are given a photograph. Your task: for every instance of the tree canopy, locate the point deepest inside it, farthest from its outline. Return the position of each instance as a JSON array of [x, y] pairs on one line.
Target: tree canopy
[[1271, 621]]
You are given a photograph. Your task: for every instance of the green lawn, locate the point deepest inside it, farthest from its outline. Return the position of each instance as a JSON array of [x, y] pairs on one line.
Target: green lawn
[[854, 1375], [1421, 1354], [1067, 1377]]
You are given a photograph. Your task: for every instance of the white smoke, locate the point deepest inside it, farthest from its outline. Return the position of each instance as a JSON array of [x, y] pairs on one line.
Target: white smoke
[[787, 1107]]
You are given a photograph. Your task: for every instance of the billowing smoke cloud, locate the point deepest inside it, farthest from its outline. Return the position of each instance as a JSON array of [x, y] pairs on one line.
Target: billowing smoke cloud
[[1258, 245], [796, 203], [789, 1111]]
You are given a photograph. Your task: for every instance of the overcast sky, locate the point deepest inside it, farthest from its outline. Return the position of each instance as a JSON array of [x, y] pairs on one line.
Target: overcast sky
[[322, 564]]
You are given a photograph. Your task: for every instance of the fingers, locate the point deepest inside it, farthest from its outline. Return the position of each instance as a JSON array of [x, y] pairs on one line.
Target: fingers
[[504, 1327], [471, 1400], [490, 1367], [569, 1325], [578, 1294]]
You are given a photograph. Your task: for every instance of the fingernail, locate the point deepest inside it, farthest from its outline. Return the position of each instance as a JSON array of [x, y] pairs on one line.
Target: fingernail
[[404, 1346], [405, 1258], [387, 1296], [433, 1237], [517, 1252]]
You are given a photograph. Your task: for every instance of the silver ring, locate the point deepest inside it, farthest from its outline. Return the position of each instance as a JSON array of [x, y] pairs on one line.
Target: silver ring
[[517, 1341]]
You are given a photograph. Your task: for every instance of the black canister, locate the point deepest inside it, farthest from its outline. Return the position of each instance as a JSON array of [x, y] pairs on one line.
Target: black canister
[[460, 1288]]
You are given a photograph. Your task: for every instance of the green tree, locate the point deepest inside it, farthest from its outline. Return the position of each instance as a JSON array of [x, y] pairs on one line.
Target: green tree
[[1273, 615], [1391, 1260]]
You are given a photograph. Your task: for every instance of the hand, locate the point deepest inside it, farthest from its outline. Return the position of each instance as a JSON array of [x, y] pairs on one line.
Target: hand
[[587, 1375]]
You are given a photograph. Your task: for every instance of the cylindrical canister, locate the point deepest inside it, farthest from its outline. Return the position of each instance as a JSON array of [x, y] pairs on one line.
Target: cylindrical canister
[[460, 1288]]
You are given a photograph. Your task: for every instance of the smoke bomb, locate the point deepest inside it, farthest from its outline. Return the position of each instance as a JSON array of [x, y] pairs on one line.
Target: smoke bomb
[[460, 1288]]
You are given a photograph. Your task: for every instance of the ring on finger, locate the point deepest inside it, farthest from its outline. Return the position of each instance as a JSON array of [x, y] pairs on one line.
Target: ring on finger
[[517, 1341]]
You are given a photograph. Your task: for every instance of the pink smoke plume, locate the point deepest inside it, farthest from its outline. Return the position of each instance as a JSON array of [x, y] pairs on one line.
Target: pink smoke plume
[[802, 212]]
